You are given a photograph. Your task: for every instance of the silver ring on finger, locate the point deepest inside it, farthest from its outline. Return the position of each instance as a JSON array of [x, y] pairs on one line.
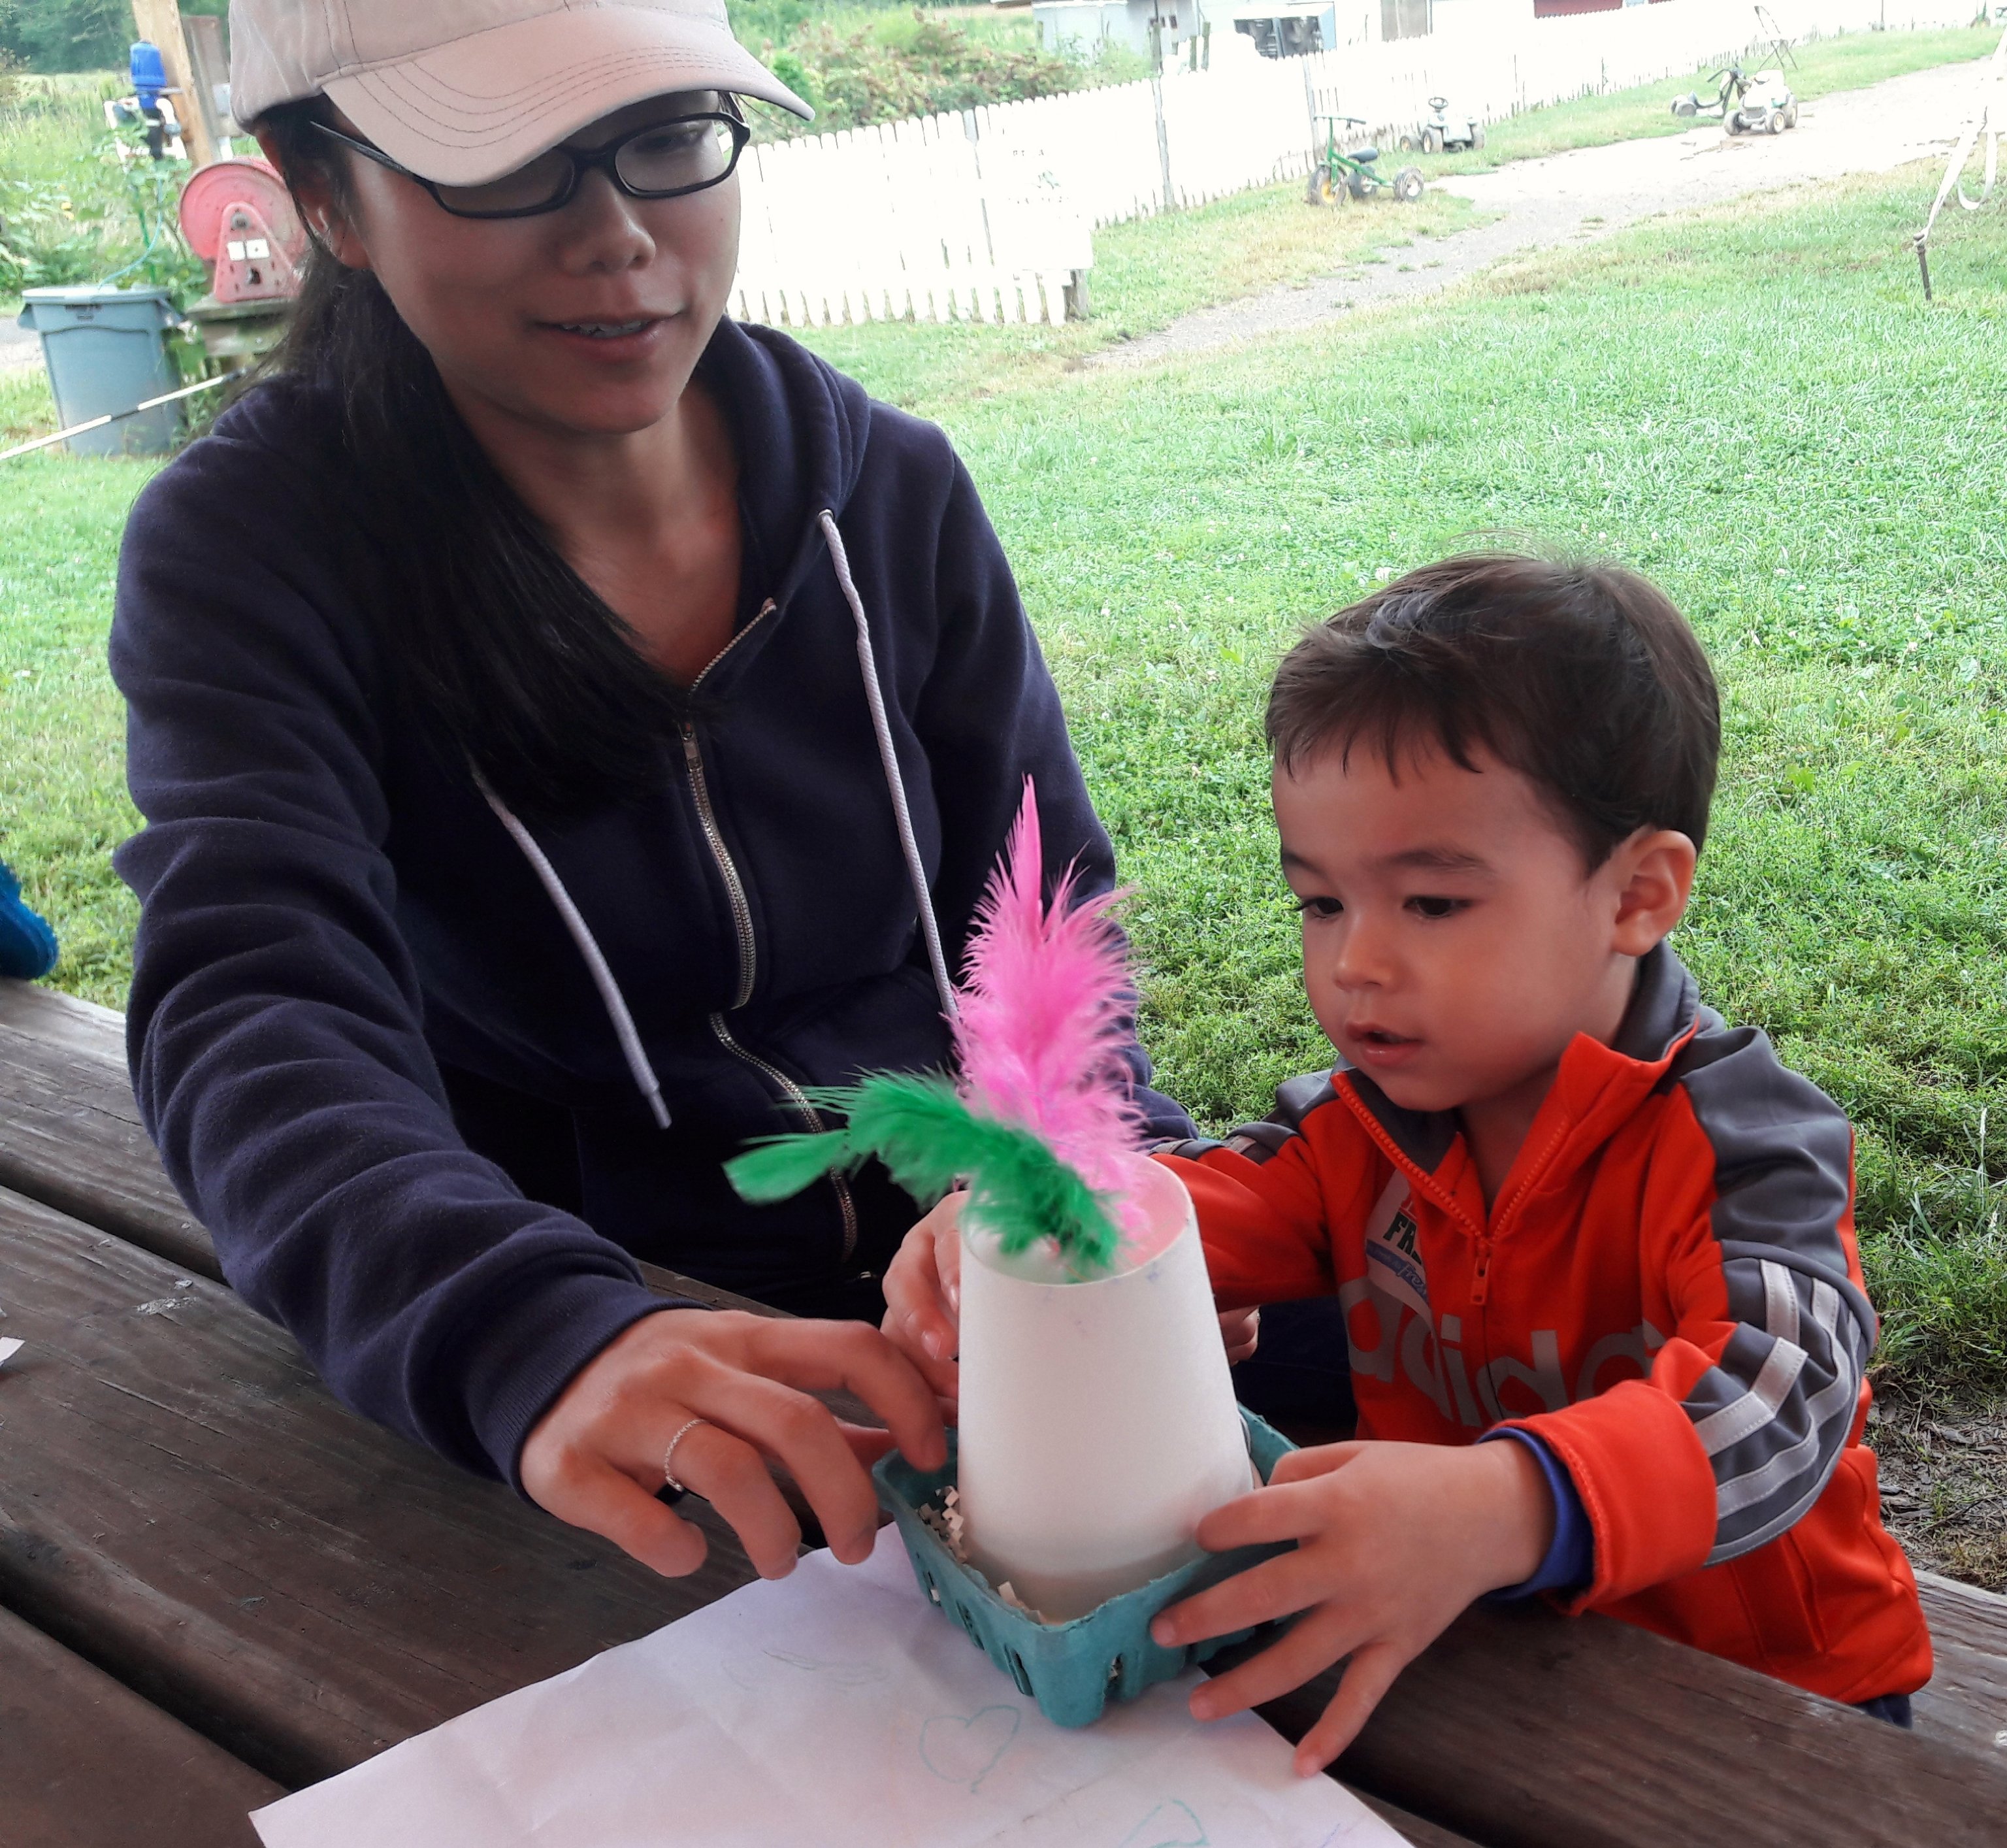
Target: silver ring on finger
[[668, 1456]]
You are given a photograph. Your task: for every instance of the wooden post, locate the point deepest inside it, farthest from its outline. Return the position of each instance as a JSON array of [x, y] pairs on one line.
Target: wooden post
[[160, 22], [1157, 102], [210, 65]]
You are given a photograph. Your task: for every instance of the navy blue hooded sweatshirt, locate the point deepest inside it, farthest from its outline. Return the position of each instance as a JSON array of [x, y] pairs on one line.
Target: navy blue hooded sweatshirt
[[372, 1052]]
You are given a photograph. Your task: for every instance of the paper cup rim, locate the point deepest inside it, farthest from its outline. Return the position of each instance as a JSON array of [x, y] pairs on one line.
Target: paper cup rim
[[1160, 1177]]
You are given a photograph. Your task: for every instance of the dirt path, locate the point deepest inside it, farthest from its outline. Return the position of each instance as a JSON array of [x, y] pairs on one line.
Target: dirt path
[[1562, 198], [1944, 1482], [18, 347]]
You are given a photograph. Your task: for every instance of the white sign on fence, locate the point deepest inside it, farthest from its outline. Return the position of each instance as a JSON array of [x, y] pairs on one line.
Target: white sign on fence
[[987, 215]]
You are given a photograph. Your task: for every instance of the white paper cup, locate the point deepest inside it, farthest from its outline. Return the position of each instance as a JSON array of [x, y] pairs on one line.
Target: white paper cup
[[1097, 1419]]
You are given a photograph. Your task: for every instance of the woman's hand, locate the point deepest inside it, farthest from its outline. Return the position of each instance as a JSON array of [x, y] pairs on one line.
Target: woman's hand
[[1393, 1540], [595, 1458]]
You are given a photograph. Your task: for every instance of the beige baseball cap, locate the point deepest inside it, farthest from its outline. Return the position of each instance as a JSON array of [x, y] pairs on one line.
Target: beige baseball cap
[[461, 91]]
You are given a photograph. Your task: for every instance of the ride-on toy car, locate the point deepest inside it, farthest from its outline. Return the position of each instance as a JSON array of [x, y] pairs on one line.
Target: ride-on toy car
[[1337, 175], [1759, 103], [1440, 129]]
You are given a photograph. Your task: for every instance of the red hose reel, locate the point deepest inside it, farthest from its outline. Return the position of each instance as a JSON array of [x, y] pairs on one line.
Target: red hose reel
[[238, 217]]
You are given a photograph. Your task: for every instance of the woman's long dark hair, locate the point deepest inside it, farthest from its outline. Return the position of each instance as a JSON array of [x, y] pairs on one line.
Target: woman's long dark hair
[[495, 637]]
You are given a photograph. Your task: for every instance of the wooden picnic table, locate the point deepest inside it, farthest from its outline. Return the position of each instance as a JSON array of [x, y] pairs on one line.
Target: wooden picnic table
[[217, 1584]]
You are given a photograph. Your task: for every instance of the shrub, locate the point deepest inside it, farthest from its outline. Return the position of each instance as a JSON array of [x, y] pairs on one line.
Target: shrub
[[918, 65], [79, 205]]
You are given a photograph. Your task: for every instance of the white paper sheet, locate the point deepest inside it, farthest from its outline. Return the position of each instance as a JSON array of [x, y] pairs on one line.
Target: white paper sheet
[[8, 1350], [837, 1708]]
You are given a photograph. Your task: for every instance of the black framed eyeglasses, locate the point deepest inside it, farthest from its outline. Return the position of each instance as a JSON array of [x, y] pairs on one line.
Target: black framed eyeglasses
[[667, 159]]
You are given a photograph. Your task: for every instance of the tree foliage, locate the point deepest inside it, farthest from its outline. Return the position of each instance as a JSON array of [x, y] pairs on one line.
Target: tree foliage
[[904, 63], [66, 35], [927, 66]]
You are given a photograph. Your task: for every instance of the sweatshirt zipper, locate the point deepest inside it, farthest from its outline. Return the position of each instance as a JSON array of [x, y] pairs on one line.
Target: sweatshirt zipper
[[741, 920], [797, 1100], [1480, 1278], [735, 890], [1479, 1235], [1507, 1209]]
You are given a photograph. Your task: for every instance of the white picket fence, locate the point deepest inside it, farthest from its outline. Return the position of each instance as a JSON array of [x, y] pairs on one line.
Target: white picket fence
[[988, 215]]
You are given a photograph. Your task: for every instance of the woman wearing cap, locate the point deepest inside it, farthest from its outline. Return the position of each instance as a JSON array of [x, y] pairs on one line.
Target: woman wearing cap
[[569, 727]]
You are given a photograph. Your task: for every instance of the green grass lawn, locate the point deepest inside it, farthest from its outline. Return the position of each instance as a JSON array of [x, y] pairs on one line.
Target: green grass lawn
[[1758, 409], [63, 806]]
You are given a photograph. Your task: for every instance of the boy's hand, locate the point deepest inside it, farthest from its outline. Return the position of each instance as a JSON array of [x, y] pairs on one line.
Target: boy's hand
[[1240, 1329], [923, 1298], [1394, 1541]]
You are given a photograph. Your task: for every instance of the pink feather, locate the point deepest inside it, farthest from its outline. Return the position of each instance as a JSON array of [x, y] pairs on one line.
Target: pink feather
[[1045, 1011]]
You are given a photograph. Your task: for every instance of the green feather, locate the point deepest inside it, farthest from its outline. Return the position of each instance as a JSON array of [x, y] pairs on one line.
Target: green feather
[[929, 1139], [780, 1167]]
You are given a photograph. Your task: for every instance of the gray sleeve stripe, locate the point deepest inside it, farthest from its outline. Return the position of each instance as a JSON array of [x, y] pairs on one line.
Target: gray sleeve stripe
[[1782, 1436], [1813, 1271], [1746, 1416], [1781, 1522], [1836, 1396], [1780, 1302]]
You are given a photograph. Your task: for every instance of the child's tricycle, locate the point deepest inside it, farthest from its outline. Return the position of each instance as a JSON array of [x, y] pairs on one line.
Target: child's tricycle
[[1337, 175]]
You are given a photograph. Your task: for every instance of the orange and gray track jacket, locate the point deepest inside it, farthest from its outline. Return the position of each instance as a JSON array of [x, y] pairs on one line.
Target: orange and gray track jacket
[[1666, 1291]]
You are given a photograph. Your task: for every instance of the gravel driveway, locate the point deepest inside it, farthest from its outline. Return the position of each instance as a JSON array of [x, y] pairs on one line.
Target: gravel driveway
[[1571, 198], [18, 347]]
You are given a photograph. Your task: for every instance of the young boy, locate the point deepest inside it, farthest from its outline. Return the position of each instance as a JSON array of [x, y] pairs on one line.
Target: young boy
[[1596, 1248]]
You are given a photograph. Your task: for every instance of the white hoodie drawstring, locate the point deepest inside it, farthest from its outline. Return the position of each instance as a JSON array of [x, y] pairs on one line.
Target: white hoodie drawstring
[[615, 1004], [888, 758]]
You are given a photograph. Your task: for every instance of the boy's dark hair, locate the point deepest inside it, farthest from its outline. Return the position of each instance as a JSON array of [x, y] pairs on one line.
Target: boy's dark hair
[[1582, 677]]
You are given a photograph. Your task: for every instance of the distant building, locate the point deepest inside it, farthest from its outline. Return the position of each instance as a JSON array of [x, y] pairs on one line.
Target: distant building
[[1083, 24], [1290, 29], [1274, 28]]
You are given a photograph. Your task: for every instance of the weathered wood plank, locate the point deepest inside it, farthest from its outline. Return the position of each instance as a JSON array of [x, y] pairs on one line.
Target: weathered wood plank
[[1420, 1834], [85, 1763], [70, 1137], [70, 1132], [60, 1019], [1966, 1701], [183, 1504], [1526, 1729]]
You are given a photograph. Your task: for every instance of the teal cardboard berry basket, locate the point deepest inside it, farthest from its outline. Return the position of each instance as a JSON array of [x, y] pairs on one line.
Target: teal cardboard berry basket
[[1070, 1669]]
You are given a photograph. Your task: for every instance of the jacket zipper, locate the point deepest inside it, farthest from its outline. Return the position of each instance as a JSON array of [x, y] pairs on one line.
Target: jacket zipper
[[741, 918], [797, 1100], [1479, 1235], [734, 889], [1496, 1222], [741, 913]]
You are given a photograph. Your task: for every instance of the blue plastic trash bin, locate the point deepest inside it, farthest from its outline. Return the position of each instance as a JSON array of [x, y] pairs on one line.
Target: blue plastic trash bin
[[104, 351]]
